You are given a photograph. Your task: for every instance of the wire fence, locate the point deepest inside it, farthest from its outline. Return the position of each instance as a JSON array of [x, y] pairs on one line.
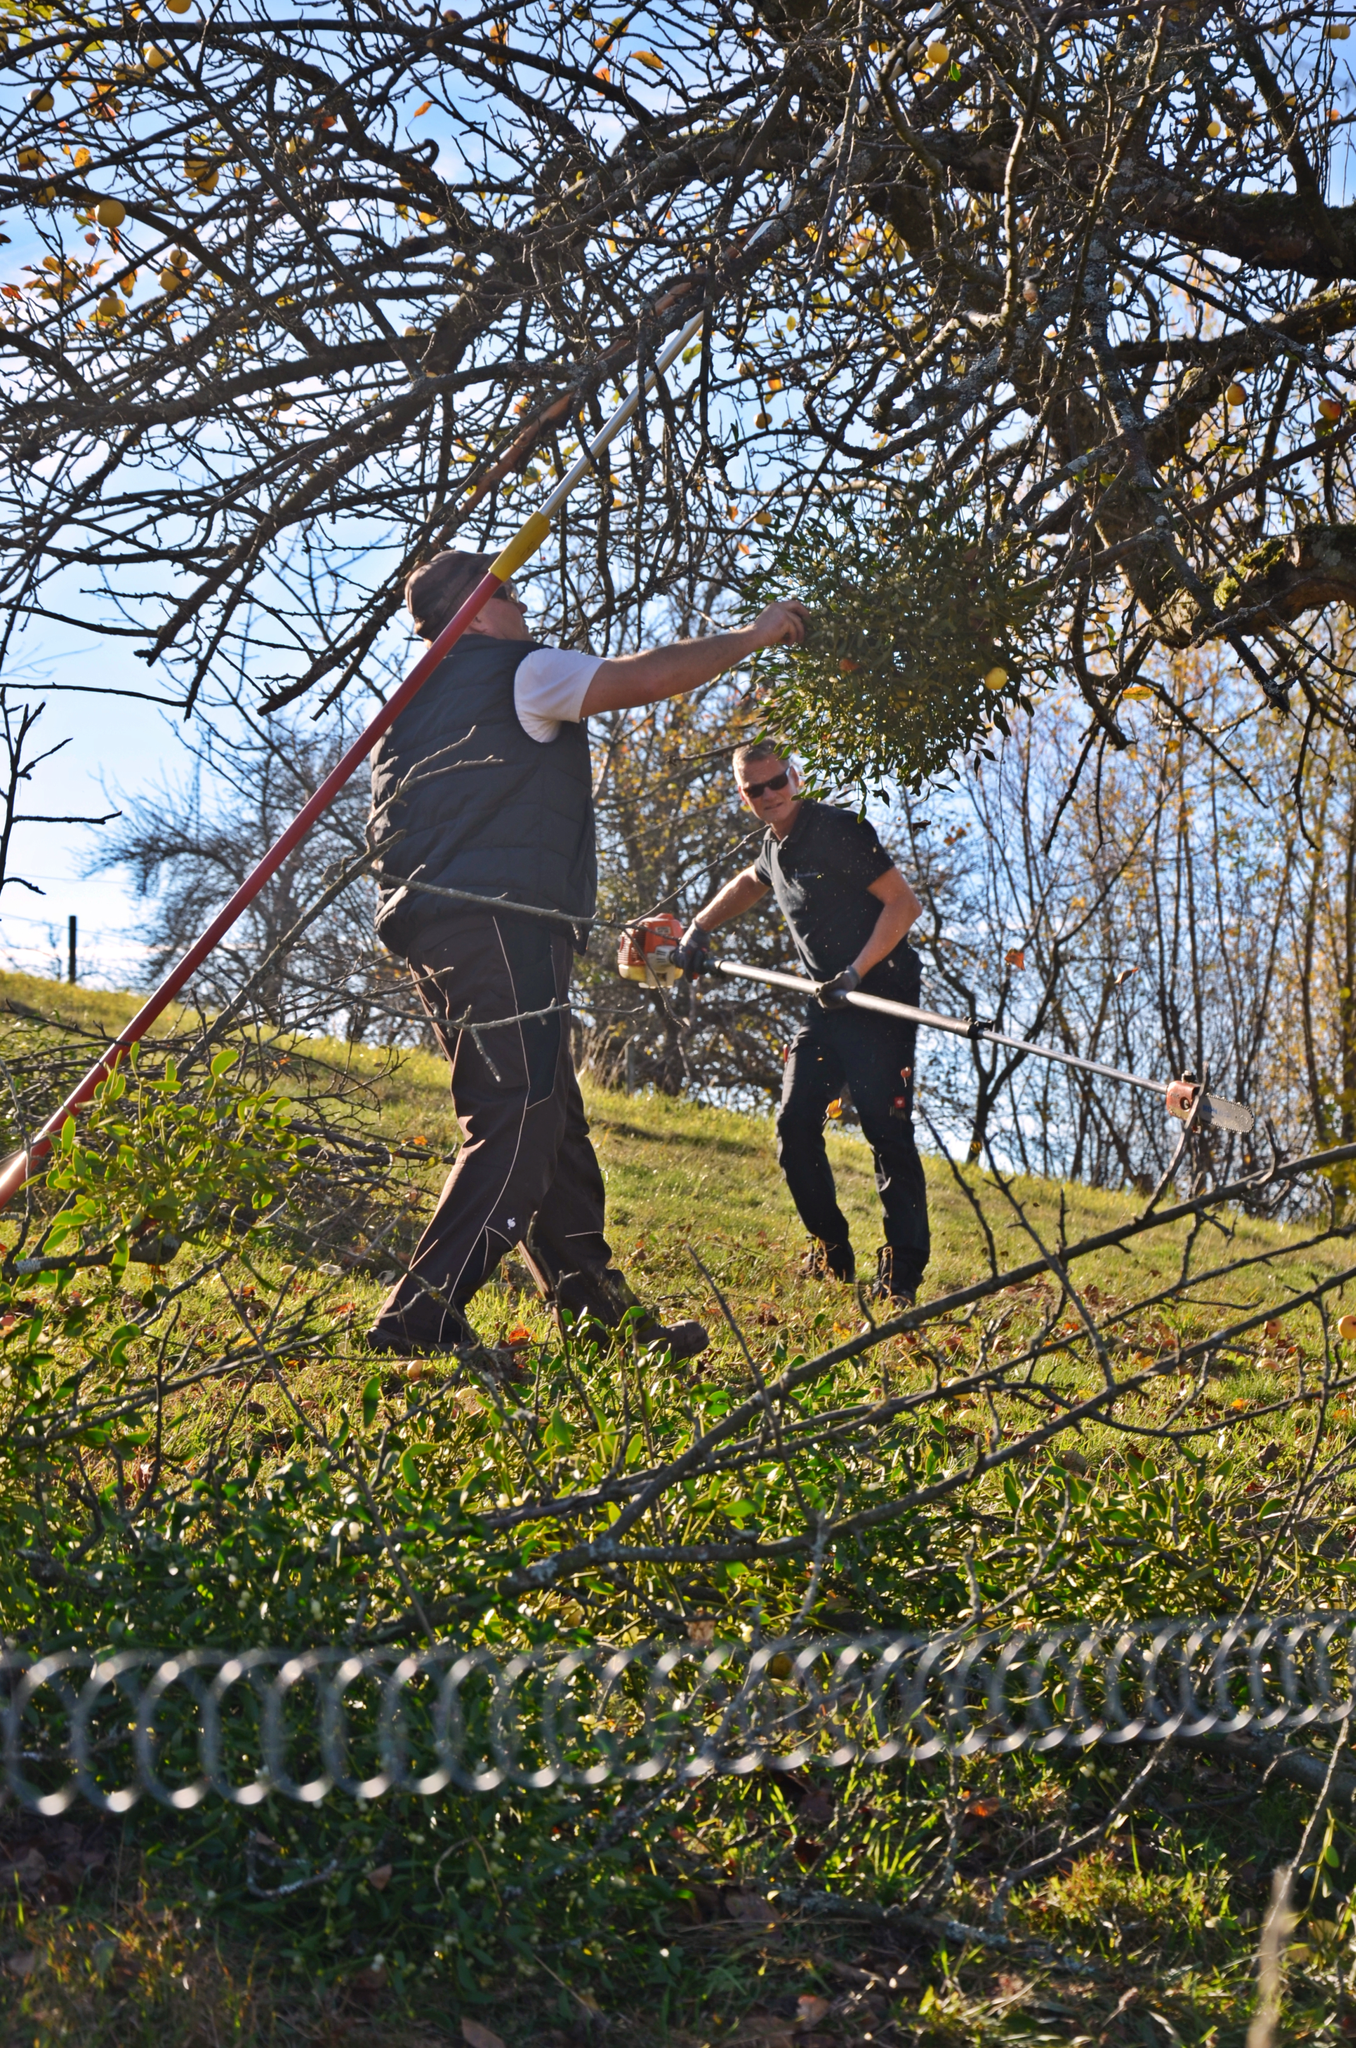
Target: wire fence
[[184, 1728]]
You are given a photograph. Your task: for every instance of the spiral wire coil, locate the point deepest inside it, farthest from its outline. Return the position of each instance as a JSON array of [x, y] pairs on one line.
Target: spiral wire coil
[[182, 1728]]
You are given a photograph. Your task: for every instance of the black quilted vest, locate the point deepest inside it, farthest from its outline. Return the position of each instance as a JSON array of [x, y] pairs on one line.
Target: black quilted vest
[[478, 804]]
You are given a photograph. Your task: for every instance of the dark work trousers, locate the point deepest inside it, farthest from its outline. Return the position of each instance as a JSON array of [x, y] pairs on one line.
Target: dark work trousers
[[526, 1153], [872, 1057]]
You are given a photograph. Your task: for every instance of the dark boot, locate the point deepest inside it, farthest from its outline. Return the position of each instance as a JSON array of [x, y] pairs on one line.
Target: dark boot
[[438, 1330], [598, 1299], [897, 1276], [456, 1339], [829, 1262], [600, 1302]]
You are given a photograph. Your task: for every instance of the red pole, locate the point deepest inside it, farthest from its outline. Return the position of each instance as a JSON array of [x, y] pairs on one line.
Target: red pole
[[519, 550], [529, 537], [18, 1169]]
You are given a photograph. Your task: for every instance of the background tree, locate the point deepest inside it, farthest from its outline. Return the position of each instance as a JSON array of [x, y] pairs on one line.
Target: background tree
[[1160, 914], [189, 847], [671, 830]]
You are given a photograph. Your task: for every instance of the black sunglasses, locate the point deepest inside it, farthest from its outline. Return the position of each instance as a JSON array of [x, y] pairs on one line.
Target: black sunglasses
[[753, 790]]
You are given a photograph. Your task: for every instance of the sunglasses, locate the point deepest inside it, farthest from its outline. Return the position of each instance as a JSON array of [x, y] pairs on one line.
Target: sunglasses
[[753, 790]]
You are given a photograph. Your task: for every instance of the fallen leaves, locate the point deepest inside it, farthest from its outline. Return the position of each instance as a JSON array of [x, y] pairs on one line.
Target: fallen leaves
[[476, 2036]]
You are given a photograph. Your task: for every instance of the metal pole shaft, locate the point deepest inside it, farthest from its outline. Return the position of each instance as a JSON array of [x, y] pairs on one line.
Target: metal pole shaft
[[960, 1027]]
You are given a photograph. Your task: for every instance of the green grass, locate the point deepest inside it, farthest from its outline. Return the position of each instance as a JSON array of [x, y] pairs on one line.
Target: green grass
[[540, 1918]]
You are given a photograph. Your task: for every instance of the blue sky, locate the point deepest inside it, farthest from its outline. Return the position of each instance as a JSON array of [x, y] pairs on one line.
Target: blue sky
[[116, 743]]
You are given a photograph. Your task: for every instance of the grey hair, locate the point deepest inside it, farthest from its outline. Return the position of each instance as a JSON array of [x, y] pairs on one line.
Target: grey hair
[[756, 750]]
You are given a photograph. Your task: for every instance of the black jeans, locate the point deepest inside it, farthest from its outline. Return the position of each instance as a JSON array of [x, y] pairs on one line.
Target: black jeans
[[526, 1157], [872, 1056]]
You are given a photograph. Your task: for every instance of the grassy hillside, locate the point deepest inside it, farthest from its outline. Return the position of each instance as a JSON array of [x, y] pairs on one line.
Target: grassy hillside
[[746, 1912], [678, 1172]]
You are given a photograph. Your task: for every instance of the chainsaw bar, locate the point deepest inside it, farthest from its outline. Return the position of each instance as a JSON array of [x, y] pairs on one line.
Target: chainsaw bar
[[1217, 1109]]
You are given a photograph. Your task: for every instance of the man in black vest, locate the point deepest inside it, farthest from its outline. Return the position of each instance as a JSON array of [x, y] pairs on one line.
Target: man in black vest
[[483, 784], [848, 908]]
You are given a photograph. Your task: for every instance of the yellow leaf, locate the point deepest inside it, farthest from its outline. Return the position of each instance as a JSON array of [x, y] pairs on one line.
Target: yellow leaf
[[476, 2036], [751, 1908], [421, 110], [648, 59]]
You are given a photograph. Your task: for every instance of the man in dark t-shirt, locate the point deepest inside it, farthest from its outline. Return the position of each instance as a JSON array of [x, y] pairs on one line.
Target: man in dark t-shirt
[[848, 909]]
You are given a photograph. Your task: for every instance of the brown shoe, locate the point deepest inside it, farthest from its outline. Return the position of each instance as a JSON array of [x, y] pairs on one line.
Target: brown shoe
[[829, 1262], [602, 1304], [455, 1340], [410, 1339]]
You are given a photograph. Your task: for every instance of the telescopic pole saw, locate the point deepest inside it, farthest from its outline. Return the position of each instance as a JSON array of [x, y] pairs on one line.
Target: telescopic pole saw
[[1210, 1110], [520, 549]]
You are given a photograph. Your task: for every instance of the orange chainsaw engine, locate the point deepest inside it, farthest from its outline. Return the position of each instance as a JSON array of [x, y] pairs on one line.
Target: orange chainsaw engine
[[646, 950]]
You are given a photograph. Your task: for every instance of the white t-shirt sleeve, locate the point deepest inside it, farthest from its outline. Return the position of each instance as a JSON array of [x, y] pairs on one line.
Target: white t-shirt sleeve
[[549, 689]]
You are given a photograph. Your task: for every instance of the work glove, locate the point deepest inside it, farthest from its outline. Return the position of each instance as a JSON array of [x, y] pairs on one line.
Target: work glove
[[694, 954], [832, 994]]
